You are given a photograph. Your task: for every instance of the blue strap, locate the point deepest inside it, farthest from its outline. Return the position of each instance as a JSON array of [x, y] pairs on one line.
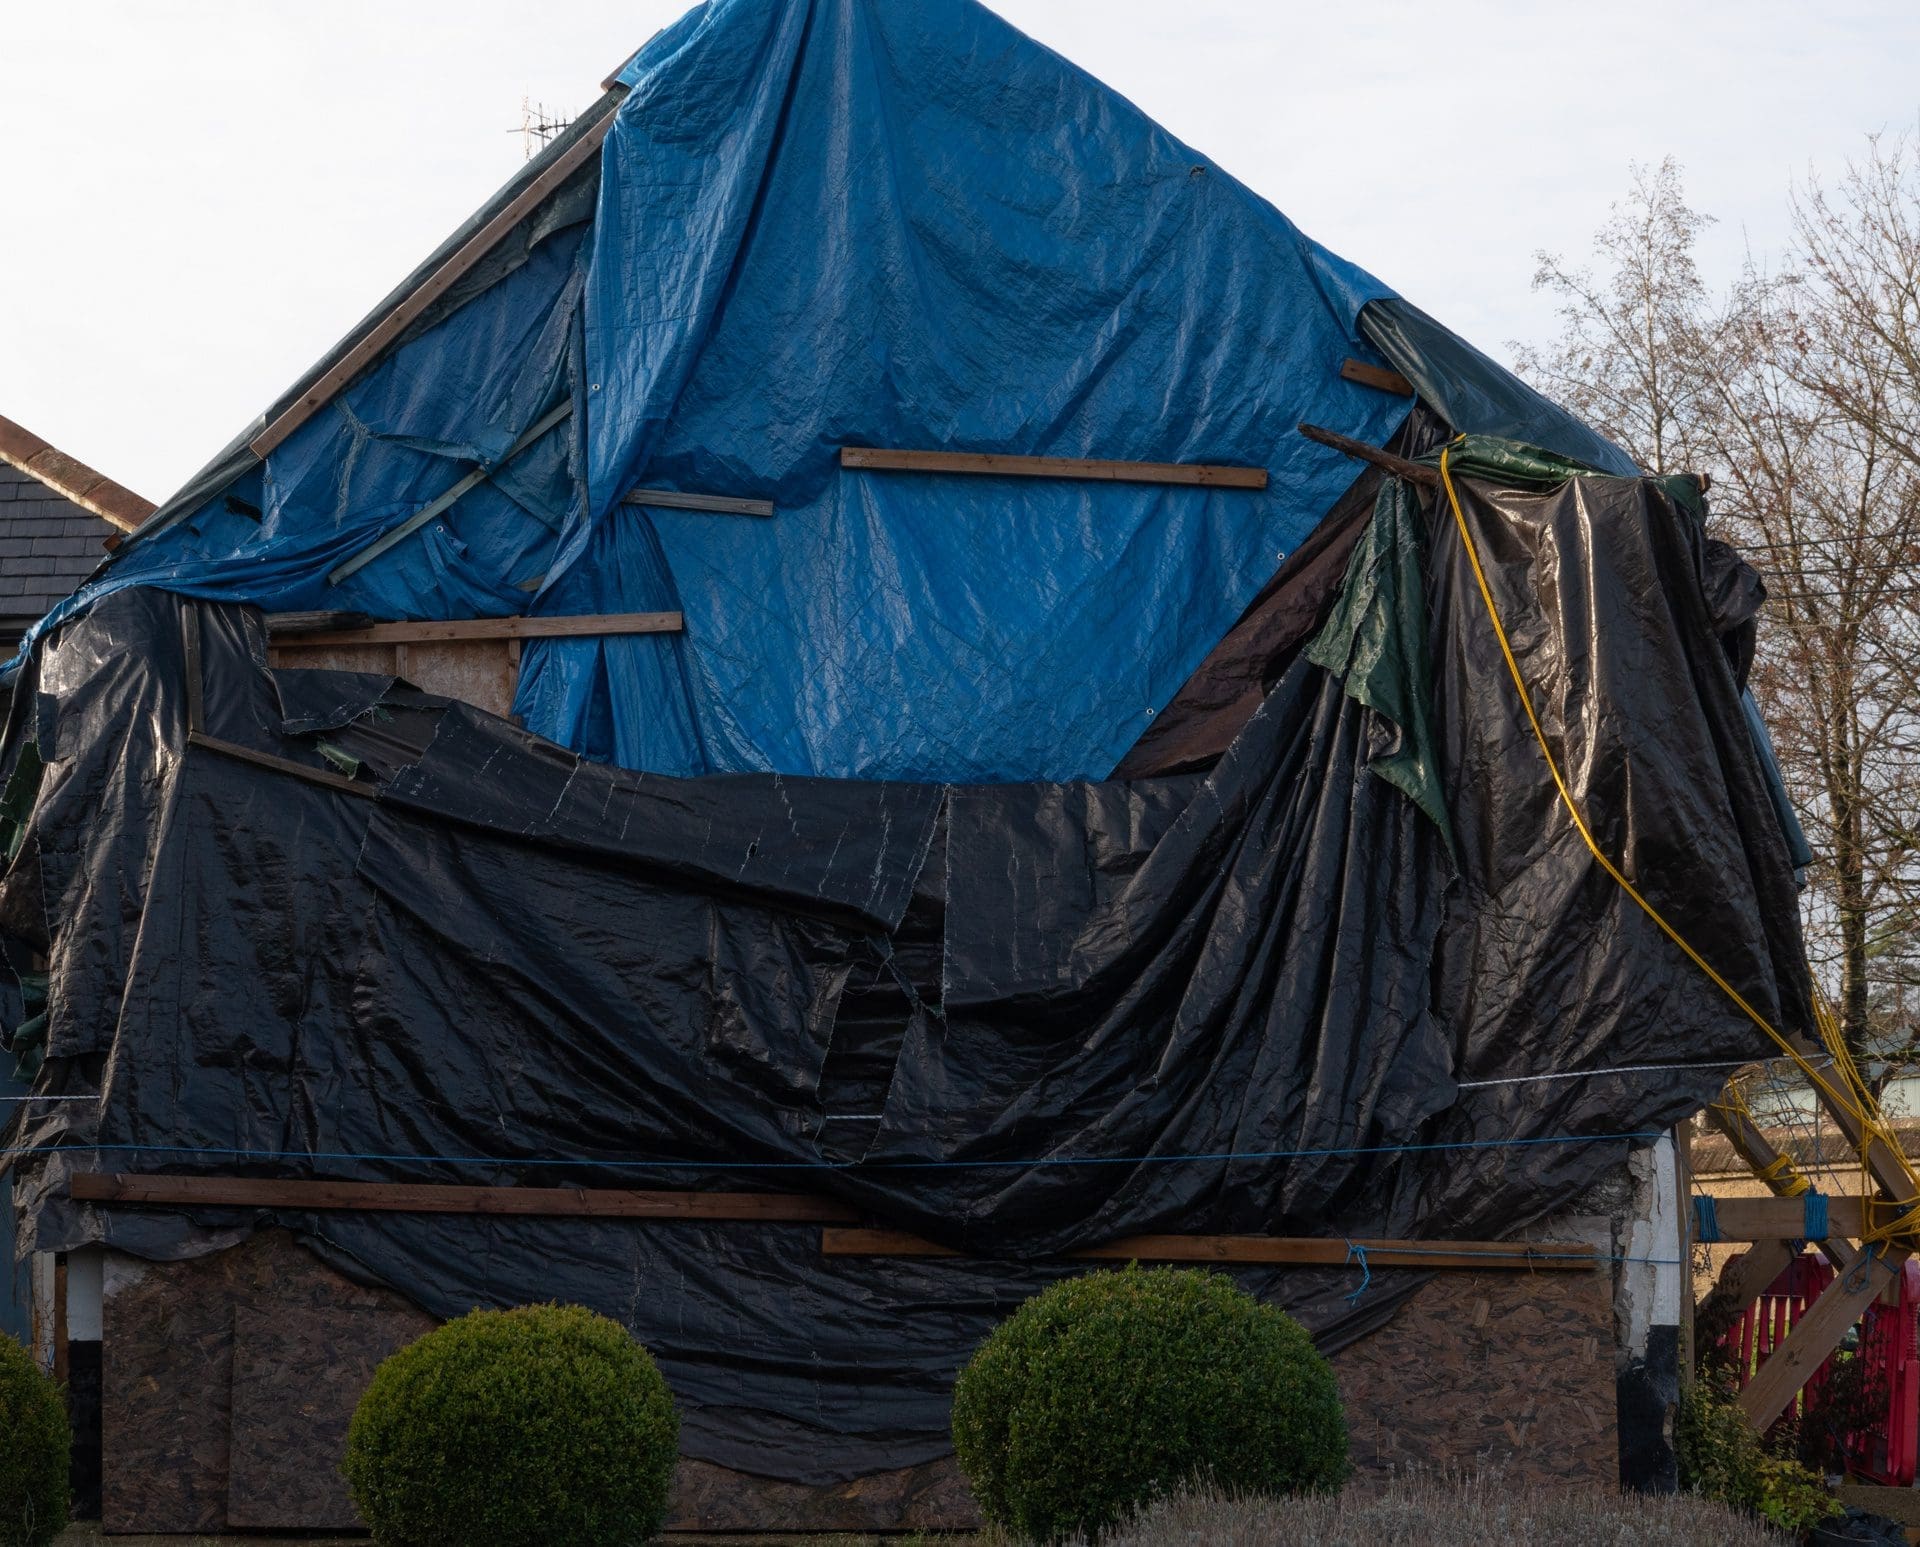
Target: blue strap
[[1358, 1254], [1706, 1218], [1814, 1204]]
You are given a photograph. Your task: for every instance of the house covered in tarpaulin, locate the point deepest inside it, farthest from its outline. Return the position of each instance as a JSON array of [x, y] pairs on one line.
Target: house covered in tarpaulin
[[790, 739]]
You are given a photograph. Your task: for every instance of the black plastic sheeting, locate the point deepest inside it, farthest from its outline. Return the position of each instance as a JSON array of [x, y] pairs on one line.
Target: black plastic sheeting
[[1015, 1019]]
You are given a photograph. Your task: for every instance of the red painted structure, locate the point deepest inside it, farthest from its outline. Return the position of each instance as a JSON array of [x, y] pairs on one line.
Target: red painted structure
[[1889, 1342]]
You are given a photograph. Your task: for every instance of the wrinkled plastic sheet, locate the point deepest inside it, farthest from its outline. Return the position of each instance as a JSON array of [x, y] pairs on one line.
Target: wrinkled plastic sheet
[[1017, 1019], [811, 225]]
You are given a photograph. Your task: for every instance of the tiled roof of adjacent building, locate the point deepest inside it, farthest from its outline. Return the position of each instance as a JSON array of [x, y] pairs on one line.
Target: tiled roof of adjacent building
[[55, 516]]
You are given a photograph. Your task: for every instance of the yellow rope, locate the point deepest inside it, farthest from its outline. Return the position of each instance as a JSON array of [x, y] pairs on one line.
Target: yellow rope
[[1852, 1095]]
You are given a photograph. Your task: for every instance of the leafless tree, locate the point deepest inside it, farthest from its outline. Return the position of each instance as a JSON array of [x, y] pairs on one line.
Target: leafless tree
[[1799, 391]]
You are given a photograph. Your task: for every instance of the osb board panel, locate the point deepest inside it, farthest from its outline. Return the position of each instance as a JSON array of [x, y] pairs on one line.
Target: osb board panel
[[376, 659], [480, 671], [932, 1497], [168, 1362], [1478, 1369], [298, 1373]]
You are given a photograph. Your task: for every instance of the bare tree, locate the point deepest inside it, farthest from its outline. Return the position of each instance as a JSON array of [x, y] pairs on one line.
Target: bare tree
[[1798, 391], [1624, 361]]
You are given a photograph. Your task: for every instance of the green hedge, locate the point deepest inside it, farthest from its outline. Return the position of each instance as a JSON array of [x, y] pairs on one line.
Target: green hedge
[[546, 1426], [1721, 1458], [35, 1443], [1106, 1391]]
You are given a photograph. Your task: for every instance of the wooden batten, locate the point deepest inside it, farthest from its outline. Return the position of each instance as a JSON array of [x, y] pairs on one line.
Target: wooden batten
[[145, 1189], [1301, 1251], [437, 630], [1377, 377], [1784, 1219], [717, 504], [992, 464]]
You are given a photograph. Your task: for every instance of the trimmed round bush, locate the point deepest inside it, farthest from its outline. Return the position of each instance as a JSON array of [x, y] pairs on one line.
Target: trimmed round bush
[[35, 1443], [545, 1426], [1107, 1391]]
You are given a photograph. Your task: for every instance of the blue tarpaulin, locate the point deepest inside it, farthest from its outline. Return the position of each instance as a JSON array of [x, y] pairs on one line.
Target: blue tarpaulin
[[823, 223]]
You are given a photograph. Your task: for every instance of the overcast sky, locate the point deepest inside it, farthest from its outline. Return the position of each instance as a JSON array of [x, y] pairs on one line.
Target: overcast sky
[[197, 197]]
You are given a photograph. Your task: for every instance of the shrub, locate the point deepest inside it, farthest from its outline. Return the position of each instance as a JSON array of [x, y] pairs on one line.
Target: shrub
[[546, 1426], [34, 1446], [1722, 1458], [1108, 1390]]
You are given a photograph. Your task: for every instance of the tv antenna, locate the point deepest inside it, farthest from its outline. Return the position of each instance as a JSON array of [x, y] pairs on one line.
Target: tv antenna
[[538, 126]]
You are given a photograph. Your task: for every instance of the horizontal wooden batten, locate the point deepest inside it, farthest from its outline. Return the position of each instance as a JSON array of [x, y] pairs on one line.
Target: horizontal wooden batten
[[1302, 1251], [718, 504], [144, 1188], [992, 464], [1784, 1219], [1377, 377], [437, 629]]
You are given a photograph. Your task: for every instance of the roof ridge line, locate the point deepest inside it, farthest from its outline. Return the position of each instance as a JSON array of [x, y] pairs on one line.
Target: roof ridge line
[[70, 478]]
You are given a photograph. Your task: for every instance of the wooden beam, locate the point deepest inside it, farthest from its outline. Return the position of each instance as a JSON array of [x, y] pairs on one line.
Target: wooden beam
[[1817, 1333], [1757, 1150], [435, 285], [720, 504], [1376, 376], [1742, 1281], [872, 459], [285, 765], [150, 1190], [1310, 1251], [1400, 467], [1783, 1219], [434, 630]]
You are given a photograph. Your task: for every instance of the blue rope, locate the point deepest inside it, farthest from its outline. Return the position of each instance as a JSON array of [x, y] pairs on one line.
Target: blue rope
[[220, 1153], [1814, 1226], [1706, 1218], [1359, 1254]]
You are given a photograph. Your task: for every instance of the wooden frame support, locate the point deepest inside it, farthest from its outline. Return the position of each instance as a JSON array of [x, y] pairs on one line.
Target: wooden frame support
[[1302, 1251], [1817, 1333], [992, 464], [1784, 1219], [1757, 1150], [1742, 1281]]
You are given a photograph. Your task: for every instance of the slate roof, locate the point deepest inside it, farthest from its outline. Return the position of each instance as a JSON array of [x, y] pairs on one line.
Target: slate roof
[[56, 515]]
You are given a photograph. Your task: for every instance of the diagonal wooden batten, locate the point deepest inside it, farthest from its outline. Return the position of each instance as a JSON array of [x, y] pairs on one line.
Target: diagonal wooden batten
[[1742, 1281], [1360, 451], [1817, 1333], [719, 504], [473, 480]]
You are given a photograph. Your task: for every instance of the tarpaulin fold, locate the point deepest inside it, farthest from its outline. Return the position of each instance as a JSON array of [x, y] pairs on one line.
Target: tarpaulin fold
[[1013, 1018]]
